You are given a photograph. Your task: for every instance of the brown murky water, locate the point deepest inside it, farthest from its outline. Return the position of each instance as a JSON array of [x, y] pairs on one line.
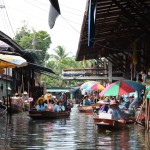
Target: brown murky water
[[76, 132]]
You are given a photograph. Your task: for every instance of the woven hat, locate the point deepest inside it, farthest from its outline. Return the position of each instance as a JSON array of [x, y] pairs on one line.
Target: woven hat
[[16, 94], [48, 96], [25, 92], [40, 98], [113, 102]]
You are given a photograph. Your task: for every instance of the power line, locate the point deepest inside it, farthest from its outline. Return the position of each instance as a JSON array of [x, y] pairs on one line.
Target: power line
[[8, 19], [35, 5], [3, 20]]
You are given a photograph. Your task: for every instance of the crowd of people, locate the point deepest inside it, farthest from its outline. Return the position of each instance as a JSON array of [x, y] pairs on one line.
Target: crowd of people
[[52, 104], [117, 106], [22, 100]]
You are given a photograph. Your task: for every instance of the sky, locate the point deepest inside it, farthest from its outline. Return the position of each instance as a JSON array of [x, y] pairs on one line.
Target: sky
[[66, 30]]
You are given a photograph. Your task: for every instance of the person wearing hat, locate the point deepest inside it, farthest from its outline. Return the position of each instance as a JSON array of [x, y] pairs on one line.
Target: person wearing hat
[[115, 111], [41, 106], [24, 98], [104, 107], [16, 100], [48, 97]]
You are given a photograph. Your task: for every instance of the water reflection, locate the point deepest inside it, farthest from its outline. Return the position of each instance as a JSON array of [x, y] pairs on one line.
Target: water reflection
[[75, 132]]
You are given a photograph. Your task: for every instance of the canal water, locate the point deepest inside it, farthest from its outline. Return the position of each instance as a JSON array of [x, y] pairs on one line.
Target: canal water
[[19, 132]]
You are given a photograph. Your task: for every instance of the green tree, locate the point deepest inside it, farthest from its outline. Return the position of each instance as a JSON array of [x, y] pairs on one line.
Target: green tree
[[58, 61], [35, 42]]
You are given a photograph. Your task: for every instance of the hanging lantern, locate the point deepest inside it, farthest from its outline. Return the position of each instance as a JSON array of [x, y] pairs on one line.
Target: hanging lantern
[[2, 70]]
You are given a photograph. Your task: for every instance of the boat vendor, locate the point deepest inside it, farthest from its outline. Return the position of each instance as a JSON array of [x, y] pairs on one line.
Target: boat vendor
[[41, 106], [25, 102], [105, 106], [115, 111], [16, 100]]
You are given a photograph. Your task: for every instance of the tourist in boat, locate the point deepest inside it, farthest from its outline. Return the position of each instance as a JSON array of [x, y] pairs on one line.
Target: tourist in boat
[[115, 111], [41, 106], [50, 106], [56, 107], [60, 107], [86, 101], [48, 97]]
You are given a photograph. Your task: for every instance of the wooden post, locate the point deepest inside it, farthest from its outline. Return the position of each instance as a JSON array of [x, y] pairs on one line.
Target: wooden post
[[4, 100], [147, 114], [9, 104]]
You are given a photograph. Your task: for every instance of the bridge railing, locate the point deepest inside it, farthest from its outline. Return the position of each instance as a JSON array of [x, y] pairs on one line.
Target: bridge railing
[[86, 72]]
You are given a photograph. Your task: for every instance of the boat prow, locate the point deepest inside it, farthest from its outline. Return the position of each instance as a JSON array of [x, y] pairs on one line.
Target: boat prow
[[34, 114], [108, 124]]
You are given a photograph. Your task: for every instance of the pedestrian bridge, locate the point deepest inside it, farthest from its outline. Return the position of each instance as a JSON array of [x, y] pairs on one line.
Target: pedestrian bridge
[[91, 74]]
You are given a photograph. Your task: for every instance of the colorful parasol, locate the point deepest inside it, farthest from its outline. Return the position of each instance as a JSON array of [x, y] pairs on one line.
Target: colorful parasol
[[122, 87], [87, 84], [97, 87]]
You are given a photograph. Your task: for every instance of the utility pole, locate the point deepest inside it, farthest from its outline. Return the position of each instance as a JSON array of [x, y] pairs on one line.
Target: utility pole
[[2, 6], [34, 40]]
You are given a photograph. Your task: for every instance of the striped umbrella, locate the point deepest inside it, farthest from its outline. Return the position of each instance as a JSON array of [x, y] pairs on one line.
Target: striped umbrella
[[87, 84], [97, 87], [121, 87]]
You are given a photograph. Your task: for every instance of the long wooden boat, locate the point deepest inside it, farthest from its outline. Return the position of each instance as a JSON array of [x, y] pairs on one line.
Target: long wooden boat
[[34, 114], [89, 109], [108, 124]]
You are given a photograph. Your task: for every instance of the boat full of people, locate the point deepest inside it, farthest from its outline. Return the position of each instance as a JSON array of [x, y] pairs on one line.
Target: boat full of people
[[48, 107]]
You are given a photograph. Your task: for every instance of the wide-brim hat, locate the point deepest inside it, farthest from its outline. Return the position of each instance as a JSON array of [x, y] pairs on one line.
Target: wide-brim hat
[[103, 102], [113, 102], [16, 94], [48, 96], [40, 98], [25, 92]]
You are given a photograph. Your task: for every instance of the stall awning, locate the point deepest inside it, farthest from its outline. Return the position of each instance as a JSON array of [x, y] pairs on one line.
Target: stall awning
[[40, 68]]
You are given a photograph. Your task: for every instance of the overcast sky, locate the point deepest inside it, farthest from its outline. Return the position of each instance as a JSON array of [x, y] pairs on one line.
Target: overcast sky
[[35, 12]]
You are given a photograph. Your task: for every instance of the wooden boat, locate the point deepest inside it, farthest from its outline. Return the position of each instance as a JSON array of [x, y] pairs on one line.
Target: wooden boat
[[34, 114], [108, 124], [89, 109]]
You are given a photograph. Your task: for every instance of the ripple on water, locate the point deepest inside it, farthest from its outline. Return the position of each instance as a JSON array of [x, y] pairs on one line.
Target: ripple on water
[[76, 132]]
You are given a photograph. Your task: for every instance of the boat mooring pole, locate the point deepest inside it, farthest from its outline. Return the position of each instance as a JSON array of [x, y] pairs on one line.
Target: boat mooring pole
[[147, 114]]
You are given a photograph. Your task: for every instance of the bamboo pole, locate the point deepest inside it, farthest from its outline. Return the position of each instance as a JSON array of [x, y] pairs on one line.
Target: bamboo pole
[[137, 119], [147, 114]]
